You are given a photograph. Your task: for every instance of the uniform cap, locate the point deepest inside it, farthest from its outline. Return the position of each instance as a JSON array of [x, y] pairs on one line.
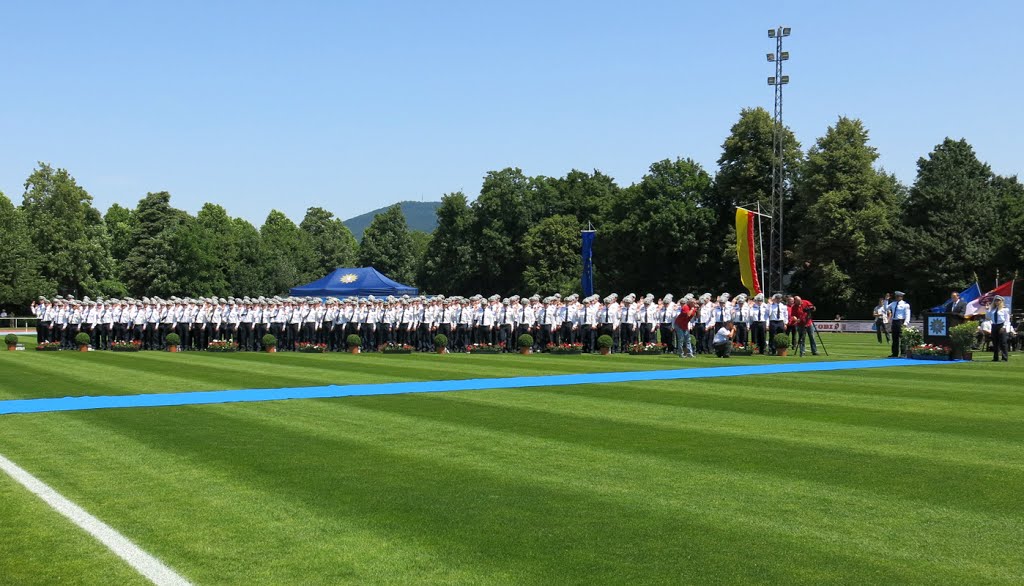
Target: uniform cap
[[899, 294]]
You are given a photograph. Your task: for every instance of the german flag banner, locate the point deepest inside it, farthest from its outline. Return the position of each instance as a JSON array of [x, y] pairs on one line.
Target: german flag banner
[[745, 250]]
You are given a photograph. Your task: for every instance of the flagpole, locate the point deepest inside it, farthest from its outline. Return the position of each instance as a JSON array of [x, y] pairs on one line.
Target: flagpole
[[760, 243]]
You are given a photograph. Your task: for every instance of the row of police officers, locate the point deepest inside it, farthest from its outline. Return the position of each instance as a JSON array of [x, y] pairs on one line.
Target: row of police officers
[[415, 321]]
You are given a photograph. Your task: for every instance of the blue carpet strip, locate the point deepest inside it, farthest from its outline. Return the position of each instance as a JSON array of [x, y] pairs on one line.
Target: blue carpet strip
[[437, 386]]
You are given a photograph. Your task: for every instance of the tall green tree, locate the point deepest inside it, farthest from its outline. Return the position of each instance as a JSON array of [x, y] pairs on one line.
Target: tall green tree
[[198, 259], [950, 214], [67, 232], [388, 247], [846, 221], [20, 280], [289, 253], [657, 236], [552, 256], [745, 166], [744, 178], [1011, 227], [584, 196], [251, 274], [449, 265], [505, 209], [420, 251], [120, 223], [214, 232], [333, 243], [149, 267]]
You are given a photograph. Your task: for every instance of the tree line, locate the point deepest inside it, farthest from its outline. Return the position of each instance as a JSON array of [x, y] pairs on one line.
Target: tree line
[[852, 231]]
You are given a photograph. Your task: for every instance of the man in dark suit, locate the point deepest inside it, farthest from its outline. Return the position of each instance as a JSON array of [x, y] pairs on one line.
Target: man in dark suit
[[957, 305]]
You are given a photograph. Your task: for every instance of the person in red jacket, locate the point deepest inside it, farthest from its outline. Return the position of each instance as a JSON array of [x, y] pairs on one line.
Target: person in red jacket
[[801, 313]]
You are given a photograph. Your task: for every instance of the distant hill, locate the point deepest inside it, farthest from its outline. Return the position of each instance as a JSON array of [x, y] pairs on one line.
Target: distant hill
[[420, 215]]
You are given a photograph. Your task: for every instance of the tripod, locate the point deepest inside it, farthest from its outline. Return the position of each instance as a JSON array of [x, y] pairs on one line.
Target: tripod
[[820, 341]]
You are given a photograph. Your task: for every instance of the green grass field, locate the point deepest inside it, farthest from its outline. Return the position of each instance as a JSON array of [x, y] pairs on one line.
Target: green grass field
[[901, 475]]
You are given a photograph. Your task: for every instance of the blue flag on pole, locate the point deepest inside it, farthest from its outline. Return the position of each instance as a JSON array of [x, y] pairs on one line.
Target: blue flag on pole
[[588, 262], [967, 295]]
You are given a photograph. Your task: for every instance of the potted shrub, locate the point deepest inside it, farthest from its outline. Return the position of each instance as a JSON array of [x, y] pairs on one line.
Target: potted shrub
[[82, 339], [172, 341], [909, 338], [270, 343], [604, 343], [354, 342], [12, 341], [781, 344], [525, 343], [441, 343], [961, 338]]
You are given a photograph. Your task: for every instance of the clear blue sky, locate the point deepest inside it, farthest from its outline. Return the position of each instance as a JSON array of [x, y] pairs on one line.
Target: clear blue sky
[[352, 106]]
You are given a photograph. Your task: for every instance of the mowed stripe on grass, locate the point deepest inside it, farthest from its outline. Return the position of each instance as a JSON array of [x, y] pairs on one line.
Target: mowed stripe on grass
[[32, 374], [887, 476]]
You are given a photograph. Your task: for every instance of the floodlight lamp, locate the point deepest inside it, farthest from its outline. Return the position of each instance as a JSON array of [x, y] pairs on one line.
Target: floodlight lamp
[[771, 80], [785, 31], [771, 57], [785, 79], [771, 33], [785, 56]]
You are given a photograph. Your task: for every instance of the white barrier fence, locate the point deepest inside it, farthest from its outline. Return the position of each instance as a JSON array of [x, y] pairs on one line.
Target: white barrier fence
[[18, 323]]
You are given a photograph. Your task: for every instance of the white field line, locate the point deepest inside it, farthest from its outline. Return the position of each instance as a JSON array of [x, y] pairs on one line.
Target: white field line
[[144, 563]]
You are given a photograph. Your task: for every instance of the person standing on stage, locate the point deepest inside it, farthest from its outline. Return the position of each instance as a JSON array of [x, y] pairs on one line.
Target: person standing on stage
[[899, 315], [956, 305], [999, 316], [881, 313]]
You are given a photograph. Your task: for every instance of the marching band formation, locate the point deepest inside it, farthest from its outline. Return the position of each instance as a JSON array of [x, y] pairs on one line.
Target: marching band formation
[[714, 322]]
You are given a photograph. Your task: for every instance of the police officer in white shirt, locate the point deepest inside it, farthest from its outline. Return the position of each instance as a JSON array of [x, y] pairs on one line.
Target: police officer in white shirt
[[778, 318], [899, 315], [999, 315]]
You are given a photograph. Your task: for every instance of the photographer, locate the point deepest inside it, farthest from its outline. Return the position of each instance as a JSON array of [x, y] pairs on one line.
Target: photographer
[[803, 311]]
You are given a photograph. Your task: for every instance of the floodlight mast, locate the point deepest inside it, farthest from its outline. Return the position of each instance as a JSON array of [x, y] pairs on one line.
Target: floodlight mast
[[775, 206]]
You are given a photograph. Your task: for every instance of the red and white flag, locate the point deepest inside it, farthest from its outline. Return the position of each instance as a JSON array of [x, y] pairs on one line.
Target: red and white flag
[[980, 305]]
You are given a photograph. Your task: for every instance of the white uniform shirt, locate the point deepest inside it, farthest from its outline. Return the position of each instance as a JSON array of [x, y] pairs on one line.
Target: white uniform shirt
[[900, 311]]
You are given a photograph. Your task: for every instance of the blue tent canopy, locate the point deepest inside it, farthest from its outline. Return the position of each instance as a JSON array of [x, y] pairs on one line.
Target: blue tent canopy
[[353, 283]]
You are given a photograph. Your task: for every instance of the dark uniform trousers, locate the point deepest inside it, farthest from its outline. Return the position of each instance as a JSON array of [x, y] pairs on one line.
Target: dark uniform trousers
[[668, 337], [741, 333], [698, 333], [646, 333], [102, 338], [1000, 342], [897, 336], [775, 327], [424, 343], [245, 336], [627, 334], [757, 335], [184, 332], [505, 337], [366, 333], [587, 337]]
